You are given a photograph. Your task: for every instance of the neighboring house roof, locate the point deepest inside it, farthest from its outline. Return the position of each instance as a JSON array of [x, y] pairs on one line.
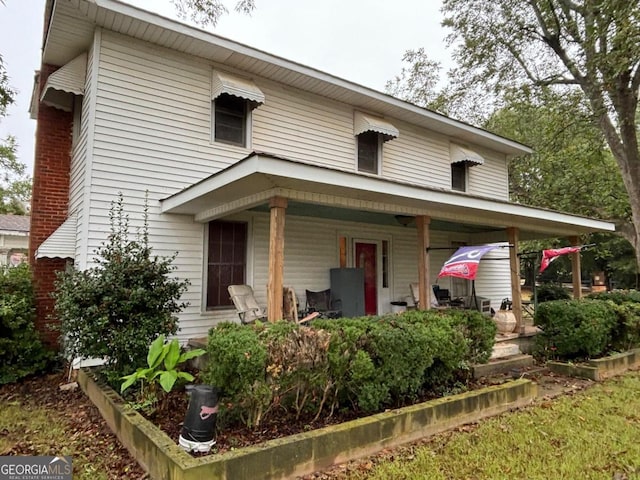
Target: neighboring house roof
[[260, 176], [15, 224], [73, 31]]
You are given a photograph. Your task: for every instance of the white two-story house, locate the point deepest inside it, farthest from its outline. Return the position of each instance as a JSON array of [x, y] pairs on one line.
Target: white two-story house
[[259, 170]]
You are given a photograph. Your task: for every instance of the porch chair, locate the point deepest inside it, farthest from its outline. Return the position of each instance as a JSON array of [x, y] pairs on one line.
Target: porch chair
[[322, 303], [415, 293], [290, 307], [246, 304]]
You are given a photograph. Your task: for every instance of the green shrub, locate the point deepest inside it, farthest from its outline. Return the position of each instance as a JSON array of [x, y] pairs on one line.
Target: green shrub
[[401, 352], [627, 332], [548, 292], [450, 350], [479, 331], [365, 364], [575, 329], [350, 367], [21, 351], [237, 367], [117, 308], [617, 296]]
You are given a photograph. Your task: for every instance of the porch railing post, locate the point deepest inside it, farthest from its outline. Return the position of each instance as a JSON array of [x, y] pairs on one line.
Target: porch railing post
[[576, 270], [422, 224], [278, 206], [514, 261]]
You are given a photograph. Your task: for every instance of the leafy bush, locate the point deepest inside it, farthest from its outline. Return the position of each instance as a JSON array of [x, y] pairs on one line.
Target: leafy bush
[[479, 331], [575, 329], [238, 367], [21, 351], [162, 371], [117, 308], [548, 292], [627, 332], [361, 363], [617, 296]]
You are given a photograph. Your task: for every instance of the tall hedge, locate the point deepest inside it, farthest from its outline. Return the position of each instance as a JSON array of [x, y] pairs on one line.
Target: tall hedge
[[365, 364], [21, 351], [575, 329]]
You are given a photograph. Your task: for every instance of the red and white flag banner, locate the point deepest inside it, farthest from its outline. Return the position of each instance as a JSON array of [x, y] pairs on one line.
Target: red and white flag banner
[[550, 255]]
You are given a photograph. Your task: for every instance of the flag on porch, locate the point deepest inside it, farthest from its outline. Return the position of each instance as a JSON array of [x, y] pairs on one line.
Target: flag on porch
[[464, 262], [550, 255]]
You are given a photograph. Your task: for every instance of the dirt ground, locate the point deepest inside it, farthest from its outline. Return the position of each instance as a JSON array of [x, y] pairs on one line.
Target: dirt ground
[[91, 435]]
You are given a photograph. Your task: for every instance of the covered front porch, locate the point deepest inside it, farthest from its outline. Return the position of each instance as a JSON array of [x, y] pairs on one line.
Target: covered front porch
[[408, 226]]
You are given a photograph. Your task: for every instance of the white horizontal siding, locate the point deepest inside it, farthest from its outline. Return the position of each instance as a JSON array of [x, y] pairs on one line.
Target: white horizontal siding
[[304, 127], [417, 157], [494, 277], [491, 179]]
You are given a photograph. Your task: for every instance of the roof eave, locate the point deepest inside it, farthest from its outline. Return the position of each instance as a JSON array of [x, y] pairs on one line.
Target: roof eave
[[261, 173]]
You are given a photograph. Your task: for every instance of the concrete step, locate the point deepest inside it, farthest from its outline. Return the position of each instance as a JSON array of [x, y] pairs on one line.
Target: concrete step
[[505, 349], [502, 365]]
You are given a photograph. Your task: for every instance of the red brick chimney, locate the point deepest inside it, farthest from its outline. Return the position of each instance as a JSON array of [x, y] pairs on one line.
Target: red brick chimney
[[49, 201]]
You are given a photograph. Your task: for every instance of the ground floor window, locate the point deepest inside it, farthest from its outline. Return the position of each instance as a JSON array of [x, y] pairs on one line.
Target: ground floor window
[[226, 260]]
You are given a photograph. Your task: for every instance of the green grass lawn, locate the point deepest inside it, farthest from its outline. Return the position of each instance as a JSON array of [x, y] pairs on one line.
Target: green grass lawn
[[591, 435]]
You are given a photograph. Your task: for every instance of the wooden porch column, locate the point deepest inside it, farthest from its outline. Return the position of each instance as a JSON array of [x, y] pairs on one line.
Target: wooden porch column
[[576, 271], [514, 261], [278, 206], [424, 290]]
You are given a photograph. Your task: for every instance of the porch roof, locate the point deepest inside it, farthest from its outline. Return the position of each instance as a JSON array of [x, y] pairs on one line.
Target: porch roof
[[258, 177]]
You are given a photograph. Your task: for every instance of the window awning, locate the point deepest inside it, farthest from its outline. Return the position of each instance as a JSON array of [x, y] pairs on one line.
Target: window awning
[[461, 154], [64, 83], [224, 82], [369, 123], [61, 243]]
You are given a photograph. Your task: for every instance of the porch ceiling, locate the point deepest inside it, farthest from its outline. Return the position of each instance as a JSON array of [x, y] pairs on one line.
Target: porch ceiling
[[319, 191]]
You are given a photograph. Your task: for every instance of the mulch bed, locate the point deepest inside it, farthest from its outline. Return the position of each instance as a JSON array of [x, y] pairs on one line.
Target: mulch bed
[[87, 431], [93, 437]]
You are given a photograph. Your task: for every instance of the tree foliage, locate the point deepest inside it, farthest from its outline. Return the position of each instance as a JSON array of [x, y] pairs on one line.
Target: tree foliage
[[15, 186], [418, 81], [208, 12], [569, 153], [586, 46]]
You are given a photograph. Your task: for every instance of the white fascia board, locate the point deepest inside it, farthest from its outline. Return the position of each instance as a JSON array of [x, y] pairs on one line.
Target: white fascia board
[[297, 171]]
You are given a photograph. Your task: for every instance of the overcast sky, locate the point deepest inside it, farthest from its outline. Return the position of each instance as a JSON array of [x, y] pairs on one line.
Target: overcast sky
[[359, 40]]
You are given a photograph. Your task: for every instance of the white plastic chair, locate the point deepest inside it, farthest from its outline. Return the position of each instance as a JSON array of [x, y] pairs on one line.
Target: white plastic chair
[[246, 304]]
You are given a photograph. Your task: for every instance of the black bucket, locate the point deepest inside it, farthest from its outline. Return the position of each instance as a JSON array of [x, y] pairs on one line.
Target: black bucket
[[200, 422]]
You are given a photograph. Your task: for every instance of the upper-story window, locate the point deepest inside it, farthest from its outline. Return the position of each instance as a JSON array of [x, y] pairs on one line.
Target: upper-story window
[[230, 120], [459, 176], [233, 99], [369, 147], [462, 159], [371, 133]]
